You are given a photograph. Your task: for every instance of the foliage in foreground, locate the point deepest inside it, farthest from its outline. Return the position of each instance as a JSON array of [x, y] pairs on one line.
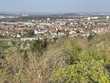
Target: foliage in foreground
[[67, 61], [86, 67]]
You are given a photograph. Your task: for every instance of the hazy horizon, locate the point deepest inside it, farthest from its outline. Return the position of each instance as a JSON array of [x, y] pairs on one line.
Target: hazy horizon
[[54, 6]]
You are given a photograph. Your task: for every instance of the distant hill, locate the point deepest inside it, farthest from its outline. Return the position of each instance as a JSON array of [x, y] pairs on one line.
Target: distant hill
[[55, 14]]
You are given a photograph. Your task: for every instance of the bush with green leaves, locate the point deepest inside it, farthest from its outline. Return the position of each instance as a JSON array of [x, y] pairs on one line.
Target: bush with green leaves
[[84, 66]]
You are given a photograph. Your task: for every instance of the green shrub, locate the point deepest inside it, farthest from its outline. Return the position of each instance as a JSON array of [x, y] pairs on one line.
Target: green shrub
[[86, 66]]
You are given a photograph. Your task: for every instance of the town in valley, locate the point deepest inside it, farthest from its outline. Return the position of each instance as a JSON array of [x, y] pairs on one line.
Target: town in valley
[[52, 26]]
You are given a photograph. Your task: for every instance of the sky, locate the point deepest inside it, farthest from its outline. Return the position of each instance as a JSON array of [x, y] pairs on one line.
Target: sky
[[55, 6]]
